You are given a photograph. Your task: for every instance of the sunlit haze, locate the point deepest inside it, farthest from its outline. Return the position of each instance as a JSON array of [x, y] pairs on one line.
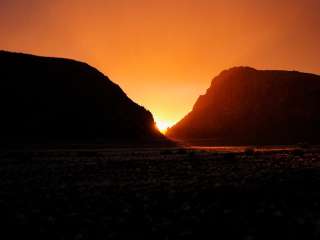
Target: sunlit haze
[[164, 53], [163, 125]]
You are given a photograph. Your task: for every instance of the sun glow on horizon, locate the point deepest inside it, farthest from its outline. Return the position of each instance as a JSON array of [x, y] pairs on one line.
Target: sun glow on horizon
[[164, 54], [163, 125]]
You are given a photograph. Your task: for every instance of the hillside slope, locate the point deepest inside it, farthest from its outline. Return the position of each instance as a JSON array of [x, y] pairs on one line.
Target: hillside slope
[[46, 100], [248, 106]]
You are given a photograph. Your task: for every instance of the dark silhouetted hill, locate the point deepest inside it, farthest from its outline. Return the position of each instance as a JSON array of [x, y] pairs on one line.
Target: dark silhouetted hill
[[248, 106], [49, 100]]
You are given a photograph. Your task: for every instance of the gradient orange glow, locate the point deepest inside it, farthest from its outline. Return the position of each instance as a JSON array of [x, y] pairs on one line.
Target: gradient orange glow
[[164, 53]]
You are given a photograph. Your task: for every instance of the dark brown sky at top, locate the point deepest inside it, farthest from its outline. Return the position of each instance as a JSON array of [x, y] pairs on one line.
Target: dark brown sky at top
[[165, 53]]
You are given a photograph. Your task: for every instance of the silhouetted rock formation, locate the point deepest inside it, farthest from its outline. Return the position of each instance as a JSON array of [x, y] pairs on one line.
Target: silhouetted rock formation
[[247, 106], [49, 100]]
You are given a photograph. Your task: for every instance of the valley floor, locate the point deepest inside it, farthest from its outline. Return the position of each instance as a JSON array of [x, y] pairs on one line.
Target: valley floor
[[160, 193]]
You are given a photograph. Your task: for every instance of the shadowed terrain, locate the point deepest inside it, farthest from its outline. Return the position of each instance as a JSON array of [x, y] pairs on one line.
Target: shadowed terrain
[[78, 173], [160, 194], [51, 100], [248, 106]]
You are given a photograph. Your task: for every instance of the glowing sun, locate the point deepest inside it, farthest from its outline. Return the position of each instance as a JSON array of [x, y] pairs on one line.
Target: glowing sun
[[163, 125]]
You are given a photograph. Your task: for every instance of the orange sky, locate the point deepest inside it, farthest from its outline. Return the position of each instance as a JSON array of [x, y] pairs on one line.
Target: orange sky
[[164, 53]]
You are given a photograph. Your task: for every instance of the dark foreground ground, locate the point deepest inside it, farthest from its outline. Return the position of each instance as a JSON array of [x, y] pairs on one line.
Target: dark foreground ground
[[159, 194]]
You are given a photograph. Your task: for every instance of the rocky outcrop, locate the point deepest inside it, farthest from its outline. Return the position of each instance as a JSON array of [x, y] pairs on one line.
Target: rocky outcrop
[[248, 106], [46, 100]]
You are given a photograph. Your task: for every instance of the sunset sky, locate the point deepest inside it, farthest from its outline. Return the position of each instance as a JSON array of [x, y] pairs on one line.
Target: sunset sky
[[164, 53]]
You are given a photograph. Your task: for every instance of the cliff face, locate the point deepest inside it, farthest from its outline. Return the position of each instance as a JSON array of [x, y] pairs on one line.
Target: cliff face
[[248, 106], [60, 100]]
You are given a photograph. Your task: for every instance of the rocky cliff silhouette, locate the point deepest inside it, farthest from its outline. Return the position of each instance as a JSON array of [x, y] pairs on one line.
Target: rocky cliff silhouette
[[49, 100], [248, 106]]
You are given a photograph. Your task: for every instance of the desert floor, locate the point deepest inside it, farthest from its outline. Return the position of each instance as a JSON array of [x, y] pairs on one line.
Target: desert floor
[[159, 193]]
